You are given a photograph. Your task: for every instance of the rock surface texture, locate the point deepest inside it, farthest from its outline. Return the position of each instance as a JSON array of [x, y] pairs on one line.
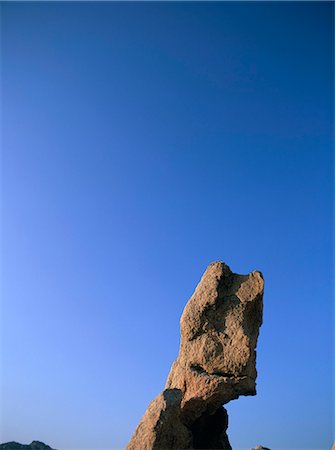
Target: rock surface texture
[[216, 363]]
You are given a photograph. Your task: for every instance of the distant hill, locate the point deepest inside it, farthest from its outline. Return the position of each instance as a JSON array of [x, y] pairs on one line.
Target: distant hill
[[35, 445]]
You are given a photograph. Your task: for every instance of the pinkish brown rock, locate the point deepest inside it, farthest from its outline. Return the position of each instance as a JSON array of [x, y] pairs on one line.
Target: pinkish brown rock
[[216, 363], [260, 447]]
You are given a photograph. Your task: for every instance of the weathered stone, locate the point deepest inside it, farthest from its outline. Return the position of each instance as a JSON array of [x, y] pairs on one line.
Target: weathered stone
[[259, 447], [216, 363], [160, 427]]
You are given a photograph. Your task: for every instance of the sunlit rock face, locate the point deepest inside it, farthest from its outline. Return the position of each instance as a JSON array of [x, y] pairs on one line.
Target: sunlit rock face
[[219, 331], [216, 363]]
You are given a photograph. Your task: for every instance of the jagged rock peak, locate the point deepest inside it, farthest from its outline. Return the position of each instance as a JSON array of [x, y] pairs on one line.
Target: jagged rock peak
[[216, 363]]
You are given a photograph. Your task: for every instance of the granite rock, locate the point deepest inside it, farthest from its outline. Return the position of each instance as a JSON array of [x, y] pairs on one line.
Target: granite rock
[[216, 363]]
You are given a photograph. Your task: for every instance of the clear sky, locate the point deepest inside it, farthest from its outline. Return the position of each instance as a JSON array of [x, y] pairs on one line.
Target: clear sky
[[142, 141]]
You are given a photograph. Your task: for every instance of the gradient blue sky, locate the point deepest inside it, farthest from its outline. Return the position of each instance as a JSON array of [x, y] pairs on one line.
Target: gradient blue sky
[[141, 141]]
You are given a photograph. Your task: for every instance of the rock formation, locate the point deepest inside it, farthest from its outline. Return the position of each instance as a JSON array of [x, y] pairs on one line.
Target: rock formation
[[260, 447], [216, 363]]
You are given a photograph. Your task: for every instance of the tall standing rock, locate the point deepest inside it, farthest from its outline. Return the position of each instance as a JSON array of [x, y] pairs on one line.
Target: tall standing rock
[[216, 363]]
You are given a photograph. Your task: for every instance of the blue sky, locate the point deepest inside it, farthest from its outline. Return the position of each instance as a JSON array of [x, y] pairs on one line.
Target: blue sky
[[142, 141]]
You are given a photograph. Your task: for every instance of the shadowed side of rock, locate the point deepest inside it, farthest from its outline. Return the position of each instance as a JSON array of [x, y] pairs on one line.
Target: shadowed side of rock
[[216, 363], [209, 431]]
